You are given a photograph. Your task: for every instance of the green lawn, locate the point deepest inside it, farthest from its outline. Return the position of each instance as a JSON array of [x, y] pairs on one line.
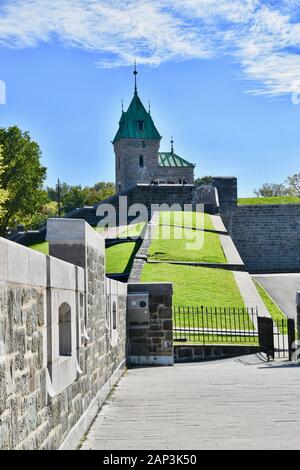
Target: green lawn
[[193, 246], [42, 247], [196, 286], [268, 200], [186, 218], [275, 312], [133, 230], [119, 258]]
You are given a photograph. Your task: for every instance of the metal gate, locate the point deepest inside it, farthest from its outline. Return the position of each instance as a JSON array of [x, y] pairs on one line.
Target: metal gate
[[276, 338], [265, 327]]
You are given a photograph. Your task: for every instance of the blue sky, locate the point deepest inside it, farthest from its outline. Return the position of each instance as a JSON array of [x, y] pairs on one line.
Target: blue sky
[[220, 75]]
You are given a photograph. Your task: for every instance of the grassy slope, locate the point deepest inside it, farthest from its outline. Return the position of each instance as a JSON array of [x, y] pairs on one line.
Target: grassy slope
[[196, 286], [42, 247], [268, 200], [274, 311], [133, 230], [119, 258], [210, 249], [187, 218], [174, 244]]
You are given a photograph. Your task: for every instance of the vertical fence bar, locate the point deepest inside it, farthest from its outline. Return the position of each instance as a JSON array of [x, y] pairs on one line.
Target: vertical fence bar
[[216, 317], [203, 324], [234, 325]]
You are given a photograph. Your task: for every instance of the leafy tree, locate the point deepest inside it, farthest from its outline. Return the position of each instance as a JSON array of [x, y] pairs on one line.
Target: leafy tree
[[271, 190], [77, 196], [204, 180], [294, 184], [23, 177], [50, 209], [3, 192], [52, 192], [104, 190]]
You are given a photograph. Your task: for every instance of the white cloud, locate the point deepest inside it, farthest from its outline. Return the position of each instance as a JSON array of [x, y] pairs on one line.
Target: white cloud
[[263, 36]]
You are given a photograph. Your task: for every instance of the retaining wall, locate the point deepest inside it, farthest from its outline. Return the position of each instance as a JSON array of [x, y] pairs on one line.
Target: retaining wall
[[62, 338], [268, 236]]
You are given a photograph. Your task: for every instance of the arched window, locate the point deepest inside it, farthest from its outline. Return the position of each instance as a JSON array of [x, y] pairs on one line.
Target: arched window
[[141, 161], [114, 316], [65, 332]]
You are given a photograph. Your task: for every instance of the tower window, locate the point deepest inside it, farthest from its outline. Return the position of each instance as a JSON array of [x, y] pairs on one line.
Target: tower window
[[141, 161], [140, 125]]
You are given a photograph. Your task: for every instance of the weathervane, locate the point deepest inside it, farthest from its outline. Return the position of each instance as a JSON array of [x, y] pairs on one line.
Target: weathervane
[[172, 147], [135, 74]]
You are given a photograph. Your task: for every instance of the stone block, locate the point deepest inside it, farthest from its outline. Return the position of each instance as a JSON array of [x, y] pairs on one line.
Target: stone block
[[74, 231], [62, 274], [80, 279], [37, 269], [168, 325], [166, 313], [3, 259], [18, 263]]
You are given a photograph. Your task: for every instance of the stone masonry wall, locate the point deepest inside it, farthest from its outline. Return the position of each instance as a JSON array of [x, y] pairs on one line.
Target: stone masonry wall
[[128, 170], [45, 395], [154, 344], [175, 173], [268, 236]]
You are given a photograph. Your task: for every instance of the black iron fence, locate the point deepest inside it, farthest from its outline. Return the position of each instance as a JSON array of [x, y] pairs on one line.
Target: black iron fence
[[209, 325], [284, 338], [229, 325]]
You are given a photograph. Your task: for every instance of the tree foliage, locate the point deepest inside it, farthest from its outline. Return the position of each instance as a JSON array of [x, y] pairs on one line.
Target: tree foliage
[[72, 197], [22, 177], [204, 180], [3, 192], [294, 184], [272, 190], [49, 209], [290, 188]]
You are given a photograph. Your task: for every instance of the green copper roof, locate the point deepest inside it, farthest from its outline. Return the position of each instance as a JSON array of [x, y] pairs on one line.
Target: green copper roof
[[171, 159], [129, 124]]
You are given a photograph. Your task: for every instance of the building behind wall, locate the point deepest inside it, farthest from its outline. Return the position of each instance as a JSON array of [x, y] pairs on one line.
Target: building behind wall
[[137, 156]]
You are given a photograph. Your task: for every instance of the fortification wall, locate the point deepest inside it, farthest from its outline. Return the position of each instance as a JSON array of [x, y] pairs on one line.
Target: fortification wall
[[175, 173], [268, 236], [62, 338]]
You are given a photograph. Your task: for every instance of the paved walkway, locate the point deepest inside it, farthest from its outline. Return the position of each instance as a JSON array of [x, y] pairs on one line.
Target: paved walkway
[[248, 291], [282, 288], [213, 405]]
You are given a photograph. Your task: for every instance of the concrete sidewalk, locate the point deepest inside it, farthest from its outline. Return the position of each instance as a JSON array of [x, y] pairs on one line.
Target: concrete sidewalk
[[282, 288], [229, 404]]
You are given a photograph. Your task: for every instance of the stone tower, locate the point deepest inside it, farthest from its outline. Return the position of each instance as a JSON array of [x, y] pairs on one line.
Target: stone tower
[[136, 146]]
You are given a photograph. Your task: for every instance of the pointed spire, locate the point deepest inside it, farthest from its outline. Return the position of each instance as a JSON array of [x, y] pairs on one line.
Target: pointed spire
[[135, 74], [172, 145], [149, 107], [122, 106]]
